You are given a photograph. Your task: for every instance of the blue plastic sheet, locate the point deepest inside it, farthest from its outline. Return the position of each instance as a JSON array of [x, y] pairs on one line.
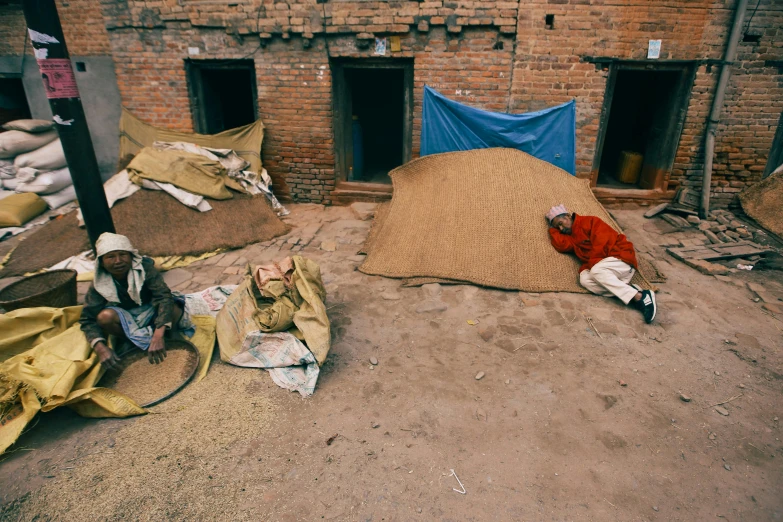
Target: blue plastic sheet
[[549, 134]]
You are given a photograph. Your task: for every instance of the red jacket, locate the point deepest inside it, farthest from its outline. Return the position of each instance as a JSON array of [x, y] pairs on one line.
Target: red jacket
[[592, 240]]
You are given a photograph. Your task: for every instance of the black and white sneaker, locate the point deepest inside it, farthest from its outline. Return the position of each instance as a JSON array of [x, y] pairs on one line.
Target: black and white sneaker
[[647, 306]]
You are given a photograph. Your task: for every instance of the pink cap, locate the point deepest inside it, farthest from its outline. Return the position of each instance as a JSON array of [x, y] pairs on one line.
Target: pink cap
[[556, 211]]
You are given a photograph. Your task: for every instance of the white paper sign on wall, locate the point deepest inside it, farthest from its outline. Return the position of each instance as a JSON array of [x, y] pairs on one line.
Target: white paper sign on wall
[[654, 50]]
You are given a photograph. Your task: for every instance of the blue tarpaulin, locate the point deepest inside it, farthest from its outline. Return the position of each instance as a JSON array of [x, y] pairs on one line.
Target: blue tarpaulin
[[549, 134]]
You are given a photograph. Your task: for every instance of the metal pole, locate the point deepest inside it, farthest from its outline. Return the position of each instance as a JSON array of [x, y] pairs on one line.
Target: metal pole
[[717, 105], [46, 35]]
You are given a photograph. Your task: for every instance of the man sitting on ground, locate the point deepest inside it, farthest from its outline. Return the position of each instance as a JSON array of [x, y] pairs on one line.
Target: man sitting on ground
[[609, 260], [128, 296]]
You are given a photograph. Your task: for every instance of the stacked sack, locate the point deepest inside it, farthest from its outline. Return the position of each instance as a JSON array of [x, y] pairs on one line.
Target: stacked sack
[[32, 164]]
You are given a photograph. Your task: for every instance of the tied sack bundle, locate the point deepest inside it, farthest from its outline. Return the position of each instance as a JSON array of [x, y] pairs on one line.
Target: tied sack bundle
[[16, 142], [49, 182], [49, 157]]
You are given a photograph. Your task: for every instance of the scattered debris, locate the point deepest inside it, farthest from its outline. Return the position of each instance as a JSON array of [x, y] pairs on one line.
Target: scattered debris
[[473, 322], [431, 306], [728, 400], [655, 508], [722, 411], [712, 436], [590, 322], [727, 467], [373, 361], [508, 381], [684, 398], [461, 492], [656, 210], [479, 376], [329, 246], [375, 425], [622, 382], [331, 439], [745, 267], [486, 332]]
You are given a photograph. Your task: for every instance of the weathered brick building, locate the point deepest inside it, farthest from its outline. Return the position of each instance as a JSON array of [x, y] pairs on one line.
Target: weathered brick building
[[308, 67]]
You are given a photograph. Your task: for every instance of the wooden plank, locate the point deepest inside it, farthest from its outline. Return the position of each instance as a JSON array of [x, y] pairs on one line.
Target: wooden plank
[[656, 210], [717, 252]]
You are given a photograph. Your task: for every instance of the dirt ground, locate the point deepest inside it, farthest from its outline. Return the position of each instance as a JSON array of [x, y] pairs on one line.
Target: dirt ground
[[549, 433]]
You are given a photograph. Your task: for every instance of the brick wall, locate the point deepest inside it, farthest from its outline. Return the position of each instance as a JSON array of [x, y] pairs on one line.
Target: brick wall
[[12, 30], [83, 27], [549, 67], [82, 22], [754, 101], [490, 54]]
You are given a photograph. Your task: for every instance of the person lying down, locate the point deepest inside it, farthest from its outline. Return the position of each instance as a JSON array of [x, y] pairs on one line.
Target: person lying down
[[608, 258], [129, 300]]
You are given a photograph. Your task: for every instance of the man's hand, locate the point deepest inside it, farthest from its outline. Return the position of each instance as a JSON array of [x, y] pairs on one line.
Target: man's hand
[[107, 356], [157, 349]]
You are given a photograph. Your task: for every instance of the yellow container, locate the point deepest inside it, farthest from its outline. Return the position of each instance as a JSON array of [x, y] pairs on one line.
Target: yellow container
[[629, 166]]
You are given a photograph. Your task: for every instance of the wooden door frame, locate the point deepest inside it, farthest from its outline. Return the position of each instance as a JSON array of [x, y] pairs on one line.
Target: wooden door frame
[[193, 69], [684, 89], [342, 121]]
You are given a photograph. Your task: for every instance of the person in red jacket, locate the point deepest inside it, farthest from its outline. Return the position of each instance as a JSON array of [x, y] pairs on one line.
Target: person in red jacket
[[608, 258]]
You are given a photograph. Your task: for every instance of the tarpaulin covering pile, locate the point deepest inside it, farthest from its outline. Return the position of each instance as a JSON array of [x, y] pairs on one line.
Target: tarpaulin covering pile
[[478, 217], [158, 225], [449, 126], [46, 362], [764, 203], [245, 141], [276, 319]]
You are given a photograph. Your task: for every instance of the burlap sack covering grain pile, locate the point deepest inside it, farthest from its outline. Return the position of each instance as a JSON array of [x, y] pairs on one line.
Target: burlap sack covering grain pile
[[478, 217], [764, 203]]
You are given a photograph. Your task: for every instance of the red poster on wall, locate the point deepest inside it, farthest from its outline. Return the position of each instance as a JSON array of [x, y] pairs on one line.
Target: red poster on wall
[[58, 78]]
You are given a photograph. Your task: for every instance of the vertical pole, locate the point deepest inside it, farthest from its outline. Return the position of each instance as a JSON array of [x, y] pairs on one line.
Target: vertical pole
[[46, 35], [717, 105]]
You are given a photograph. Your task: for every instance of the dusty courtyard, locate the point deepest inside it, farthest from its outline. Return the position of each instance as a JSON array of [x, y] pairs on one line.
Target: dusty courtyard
[[566, 424]]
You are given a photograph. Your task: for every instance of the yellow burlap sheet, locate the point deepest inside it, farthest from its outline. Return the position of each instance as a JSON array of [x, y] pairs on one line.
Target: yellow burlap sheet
[[478, 217]]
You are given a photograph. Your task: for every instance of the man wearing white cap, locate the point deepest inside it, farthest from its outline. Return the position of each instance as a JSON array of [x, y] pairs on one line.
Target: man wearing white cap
[[130, 300], [608, 258]]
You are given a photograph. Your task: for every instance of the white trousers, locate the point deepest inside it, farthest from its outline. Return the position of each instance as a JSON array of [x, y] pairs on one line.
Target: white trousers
[[610, 276]]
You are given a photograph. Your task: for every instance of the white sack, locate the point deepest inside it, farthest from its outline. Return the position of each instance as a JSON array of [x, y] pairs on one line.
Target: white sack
[[15, 142], [7, 169], [46, 182], [48, 157], [10, 183], [58, 199], [26, 174]]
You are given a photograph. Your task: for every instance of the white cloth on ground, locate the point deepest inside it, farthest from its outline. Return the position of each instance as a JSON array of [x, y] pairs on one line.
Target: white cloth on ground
[[104, 282], [183, 196], [83, 263], [610, 276]]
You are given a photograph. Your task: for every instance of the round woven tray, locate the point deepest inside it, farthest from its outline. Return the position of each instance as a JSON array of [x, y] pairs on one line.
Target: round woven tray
[[149, 384], [56, 288]]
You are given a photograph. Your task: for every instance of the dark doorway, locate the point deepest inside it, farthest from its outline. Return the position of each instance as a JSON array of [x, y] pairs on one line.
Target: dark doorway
[[13, 102], [373, 118], [222, 94], [643, 116]]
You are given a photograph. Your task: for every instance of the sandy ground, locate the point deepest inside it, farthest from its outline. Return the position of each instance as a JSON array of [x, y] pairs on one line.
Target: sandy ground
[[549, 432]]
